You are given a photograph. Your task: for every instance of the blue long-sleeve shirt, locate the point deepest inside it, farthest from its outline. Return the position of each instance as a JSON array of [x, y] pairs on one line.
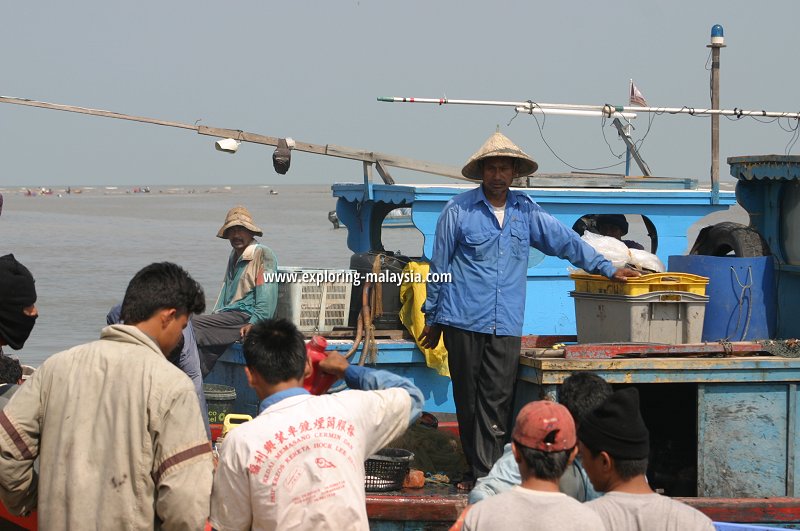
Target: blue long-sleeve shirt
[[489, 263], [505, 475], [365, 379]]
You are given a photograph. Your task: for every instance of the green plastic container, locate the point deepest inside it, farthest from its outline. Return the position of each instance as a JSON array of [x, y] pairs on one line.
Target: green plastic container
[[220, 399]]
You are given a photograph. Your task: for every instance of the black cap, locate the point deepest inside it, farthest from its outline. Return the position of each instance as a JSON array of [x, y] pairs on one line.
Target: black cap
[[17, 292], [16, 283], [617, 427], [617, 220]]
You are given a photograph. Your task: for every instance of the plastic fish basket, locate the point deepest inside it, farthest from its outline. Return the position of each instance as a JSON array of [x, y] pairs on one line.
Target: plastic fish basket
[[315, 300], [386, 470], [586, 283]]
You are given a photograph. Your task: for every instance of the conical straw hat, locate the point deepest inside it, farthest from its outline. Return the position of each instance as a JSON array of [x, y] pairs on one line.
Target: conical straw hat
[[498, 145], [239, 216]]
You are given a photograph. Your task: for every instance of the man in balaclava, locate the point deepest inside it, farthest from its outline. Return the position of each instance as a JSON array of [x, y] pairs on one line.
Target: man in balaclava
[[17, 303]]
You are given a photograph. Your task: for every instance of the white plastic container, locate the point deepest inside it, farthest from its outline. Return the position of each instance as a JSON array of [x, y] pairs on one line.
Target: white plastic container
[[671, 317], [315, 300]]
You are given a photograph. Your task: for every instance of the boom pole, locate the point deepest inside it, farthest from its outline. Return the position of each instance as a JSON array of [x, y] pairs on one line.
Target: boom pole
[[381, 160]]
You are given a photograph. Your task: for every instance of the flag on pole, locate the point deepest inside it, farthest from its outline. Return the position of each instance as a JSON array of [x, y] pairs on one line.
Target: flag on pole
[[636, 97]]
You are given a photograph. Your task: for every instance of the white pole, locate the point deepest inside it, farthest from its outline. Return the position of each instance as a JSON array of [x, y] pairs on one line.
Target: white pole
[[604, 108], [572, 112]]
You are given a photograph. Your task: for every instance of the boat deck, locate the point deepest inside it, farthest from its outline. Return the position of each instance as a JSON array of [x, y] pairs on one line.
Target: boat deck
[[436, 507]]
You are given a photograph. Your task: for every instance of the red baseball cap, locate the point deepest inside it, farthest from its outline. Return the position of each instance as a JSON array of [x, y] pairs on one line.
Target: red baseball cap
[[545, 426]]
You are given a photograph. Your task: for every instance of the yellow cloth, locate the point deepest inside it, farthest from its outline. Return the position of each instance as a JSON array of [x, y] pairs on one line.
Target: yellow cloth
[[412, 297]]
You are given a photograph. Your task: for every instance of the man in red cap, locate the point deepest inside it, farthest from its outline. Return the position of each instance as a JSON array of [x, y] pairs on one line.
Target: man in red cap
[[544, 444]]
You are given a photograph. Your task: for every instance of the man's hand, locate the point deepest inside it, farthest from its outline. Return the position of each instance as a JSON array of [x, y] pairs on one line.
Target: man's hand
[[429, 338], [623, 272], [334, 364], [243, 331]]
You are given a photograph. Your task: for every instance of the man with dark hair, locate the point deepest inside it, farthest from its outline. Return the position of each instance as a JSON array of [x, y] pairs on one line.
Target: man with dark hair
[[246, 297], [10, 378], [544, 444], [615, 226], [10, 371], [18, 311], [580, 393], [483, 239], [116, 428], [300, 463], [184, 356], [614, 445]]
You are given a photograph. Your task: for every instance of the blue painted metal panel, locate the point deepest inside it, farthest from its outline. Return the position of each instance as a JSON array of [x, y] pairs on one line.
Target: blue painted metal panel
[[742, 440], [399, 357], [666, 370], [764, 182], [671, 211]]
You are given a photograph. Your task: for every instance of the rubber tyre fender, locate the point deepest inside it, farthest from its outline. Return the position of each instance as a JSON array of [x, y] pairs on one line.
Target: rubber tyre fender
[[727, 237]]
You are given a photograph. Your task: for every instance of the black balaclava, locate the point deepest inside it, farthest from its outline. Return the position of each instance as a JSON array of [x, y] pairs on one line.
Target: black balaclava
[[17, 292]]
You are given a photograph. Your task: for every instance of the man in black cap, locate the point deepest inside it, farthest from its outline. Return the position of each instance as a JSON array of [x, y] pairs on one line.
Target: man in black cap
[[616, 226], [614, 445], [17, 303]]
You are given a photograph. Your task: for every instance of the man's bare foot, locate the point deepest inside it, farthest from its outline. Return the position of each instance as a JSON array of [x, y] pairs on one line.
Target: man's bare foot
[[467, 484]]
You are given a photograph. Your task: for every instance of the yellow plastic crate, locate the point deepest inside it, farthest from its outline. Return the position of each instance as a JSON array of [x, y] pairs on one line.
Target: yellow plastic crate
[[586, 283]]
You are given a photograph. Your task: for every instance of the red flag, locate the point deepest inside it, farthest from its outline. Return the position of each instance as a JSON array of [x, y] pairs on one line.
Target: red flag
[[636, 97]]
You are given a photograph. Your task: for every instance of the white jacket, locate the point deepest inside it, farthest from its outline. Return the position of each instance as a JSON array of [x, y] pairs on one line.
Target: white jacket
[[119, 435]]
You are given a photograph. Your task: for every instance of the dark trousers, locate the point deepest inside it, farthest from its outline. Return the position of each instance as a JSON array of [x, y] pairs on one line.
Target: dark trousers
[[215, 332], [483, 369]]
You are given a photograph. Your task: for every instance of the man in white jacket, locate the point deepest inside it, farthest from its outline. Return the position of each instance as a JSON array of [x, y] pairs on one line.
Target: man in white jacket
[[300, 463], [116, 427]]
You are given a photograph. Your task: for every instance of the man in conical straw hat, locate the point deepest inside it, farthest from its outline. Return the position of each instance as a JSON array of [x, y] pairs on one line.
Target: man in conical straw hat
[[483, 237], [246, 298]]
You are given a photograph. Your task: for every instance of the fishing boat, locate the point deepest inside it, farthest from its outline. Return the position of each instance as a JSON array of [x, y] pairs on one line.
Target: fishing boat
[[399, 218], [705, 402]]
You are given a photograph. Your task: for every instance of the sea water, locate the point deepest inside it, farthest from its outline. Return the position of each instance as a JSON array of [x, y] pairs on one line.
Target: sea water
[[84, 248]]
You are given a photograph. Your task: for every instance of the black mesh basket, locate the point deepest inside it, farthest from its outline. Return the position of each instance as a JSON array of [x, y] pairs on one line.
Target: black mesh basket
[[386, 470]]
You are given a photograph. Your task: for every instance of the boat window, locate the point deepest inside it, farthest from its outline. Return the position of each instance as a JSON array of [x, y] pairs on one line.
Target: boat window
[[790, 222], [640, 229], [399, 234]]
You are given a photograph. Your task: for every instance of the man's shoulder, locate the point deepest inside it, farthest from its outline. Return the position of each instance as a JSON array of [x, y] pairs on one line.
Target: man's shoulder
[[521, 196], [469, 196], [259, 250], [655, 506]]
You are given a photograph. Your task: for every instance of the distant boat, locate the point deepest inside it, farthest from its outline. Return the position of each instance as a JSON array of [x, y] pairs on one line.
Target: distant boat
[[399, 218], [333, 218]]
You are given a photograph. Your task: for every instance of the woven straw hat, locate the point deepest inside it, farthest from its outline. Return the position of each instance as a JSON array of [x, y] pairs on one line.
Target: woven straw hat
[[498, 145], [239, 216]]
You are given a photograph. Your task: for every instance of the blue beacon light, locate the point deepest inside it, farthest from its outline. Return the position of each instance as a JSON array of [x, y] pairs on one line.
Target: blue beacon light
[[717, 35]]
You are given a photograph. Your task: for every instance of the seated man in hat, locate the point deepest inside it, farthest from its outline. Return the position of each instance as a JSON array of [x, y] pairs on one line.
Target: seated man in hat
[[246, 298], [544, 445], [615, 226], [614, 446]]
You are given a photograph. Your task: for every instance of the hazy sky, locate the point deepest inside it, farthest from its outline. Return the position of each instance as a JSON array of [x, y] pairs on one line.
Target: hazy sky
[[313, 71]]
